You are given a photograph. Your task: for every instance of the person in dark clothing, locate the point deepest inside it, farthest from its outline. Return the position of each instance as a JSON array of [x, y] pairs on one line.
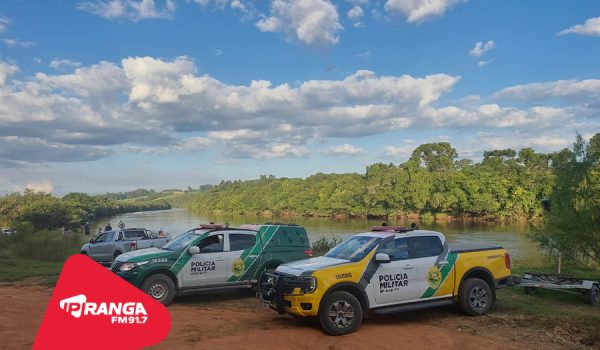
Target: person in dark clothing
[[86, 228], [108, 227]]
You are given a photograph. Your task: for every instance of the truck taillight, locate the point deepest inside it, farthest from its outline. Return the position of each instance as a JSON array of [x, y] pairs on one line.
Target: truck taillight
[[507, 260], [133, 245], [308, 252]]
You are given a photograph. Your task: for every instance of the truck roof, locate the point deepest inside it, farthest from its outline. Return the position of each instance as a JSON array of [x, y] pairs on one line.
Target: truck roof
[[384, 234]]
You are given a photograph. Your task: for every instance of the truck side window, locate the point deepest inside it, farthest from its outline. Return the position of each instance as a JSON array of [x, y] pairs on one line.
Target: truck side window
[[421, 247], [397, 249], [100, 238], [239, 241], [109, 237], [211, 244]]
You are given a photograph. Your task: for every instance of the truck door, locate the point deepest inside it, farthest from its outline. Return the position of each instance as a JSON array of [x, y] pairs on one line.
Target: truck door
[[103, 247], [396, 281], [96, 247], [426, 252], [240, 258], [208, 267]]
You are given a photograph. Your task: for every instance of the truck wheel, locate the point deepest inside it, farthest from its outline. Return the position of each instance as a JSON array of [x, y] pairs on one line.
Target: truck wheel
[[592, 296], [475, 297], [160, 287], [117, 253], [340, 313], [83, 252]]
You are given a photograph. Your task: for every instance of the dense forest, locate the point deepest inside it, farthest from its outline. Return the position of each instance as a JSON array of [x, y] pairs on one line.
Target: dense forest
[[44, 211], [433, 182]]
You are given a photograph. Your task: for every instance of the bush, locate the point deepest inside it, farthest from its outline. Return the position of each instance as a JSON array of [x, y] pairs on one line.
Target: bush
[[324, 244]]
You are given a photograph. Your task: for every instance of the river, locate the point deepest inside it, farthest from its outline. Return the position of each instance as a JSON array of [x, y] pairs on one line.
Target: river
[[513, 236]]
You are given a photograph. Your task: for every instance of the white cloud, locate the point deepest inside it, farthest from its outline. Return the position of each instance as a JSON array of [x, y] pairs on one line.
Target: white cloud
[[146, 104], [61, 64], [133, 10], [568, 89], [481, 48], [417, 11], [484, 63], [344, 150], [41, 186], [280, 150], [308, 21], [11, 42], [218, 52], [4, 23], [355, 14], [401, 153], [590, 27], [238, 5], [6, 70]]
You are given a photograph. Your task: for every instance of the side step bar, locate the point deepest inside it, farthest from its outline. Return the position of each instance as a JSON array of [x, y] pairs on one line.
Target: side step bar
[[411, 307], [215, 288]]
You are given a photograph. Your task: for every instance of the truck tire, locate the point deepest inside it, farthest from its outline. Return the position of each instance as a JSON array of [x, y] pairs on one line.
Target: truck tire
[[592, 296], [160, 287], [117, 253], [475, 297], [340, 313]]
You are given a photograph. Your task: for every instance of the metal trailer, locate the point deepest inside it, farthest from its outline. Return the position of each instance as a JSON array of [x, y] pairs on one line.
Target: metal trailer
[[562, 282]]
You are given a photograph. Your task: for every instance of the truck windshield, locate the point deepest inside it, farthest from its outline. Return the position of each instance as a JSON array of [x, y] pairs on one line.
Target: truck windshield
[[182, 241], [354, 249]]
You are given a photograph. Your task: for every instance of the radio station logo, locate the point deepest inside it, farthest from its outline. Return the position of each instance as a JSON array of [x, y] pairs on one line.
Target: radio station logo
[[121, 313]]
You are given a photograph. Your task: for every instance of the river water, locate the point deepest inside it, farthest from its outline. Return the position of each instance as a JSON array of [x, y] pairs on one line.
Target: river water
[[513, 236]]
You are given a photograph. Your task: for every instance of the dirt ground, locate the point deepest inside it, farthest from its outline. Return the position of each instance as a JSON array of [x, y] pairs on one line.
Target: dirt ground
[[238, 321]]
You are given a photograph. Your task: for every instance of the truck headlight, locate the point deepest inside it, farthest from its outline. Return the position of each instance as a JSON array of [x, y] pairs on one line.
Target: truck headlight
[[128, 266], [310, 284]]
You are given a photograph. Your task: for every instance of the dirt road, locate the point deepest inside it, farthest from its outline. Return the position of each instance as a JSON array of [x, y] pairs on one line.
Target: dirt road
[[237, 321]]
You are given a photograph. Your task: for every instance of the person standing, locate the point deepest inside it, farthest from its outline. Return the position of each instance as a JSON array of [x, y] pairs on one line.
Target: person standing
[[121, 225], [108, 227], [86, 228]]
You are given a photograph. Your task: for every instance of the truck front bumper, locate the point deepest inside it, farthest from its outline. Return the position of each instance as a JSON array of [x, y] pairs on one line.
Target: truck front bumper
[[133, 278], [285, 294]]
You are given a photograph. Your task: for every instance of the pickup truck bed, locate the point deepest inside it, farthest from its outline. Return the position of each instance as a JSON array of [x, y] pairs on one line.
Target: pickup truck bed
[[472, 247]]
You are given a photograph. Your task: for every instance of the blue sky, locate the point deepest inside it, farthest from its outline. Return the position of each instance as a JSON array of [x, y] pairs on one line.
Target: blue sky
[[110, 95]]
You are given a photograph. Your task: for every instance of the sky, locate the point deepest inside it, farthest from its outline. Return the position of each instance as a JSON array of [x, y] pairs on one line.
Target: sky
[[113, 95]]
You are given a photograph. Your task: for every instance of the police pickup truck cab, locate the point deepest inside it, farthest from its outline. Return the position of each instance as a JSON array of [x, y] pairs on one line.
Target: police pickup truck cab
[[389, 270], [212, 257]]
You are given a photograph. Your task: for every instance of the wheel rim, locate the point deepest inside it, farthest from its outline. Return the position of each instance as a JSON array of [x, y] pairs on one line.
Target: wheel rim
[[341, 314], [158, 290], [478, 298]]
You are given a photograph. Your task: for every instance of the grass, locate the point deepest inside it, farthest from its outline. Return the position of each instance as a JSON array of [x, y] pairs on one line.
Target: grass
[[12, 270], [40, 254]]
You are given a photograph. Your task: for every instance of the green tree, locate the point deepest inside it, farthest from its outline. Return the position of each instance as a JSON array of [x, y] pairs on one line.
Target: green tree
[[572, 224]]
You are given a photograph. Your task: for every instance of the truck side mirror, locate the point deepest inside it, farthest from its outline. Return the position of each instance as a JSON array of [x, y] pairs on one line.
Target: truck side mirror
[[382, 258], [194, 250]]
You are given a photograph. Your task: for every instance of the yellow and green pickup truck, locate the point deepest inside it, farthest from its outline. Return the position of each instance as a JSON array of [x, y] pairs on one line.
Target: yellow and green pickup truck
[[388, 270]]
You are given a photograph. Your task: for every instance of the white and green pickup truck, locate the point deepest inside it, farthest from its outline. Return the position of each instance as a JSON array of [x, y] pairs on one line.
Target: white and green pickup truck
[[212, 257]]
